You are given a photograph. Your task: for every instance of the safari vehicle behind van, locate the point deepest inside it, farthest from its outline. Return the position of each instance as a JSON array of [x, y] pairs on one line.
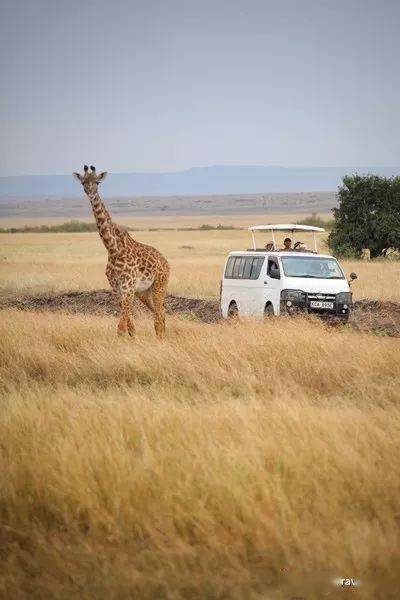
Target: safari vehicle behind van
[[258, 283]]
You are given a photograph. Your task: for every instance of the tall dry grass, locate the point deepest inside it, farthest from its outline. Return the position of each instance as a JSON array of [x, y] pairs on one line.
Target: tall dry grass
[[246, 461]]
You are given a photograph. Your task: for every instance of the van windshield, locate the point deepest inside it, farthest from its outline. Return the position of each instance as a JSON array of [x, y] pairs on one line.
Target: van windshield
[[310, 266]]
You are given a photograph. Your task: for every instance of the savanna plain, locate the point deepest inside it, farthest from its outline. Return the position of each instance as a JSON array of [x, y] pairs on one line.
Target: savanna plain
[[245, 460]]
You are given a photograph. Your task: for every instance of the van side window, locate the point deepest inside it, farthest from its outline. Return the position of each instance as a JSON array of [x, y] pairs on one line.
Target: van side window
[[256, 265], [272, 265], [238, 268], [247, 268], [243, 267], [229, 266]]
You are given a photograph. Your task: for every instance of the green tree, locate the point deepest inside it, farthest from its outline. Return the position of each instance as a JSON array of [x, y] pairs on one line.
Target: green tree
[[368, 216]]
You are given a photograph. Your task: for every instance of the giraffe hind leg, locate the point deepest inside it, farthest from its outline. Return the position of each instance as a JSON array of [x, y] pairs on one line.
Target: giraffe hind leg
[[145, 298]]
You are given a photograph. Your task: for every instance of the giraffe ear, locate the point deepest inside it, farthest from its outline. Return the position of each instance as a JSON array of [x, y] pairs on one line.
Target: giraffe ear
[[102, 176], [78, 176]]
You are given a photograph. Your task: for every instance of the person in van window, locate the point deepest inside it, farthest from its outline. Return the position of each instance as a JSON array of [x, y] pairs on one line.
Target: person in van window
[[269, 246], [287, 244], [273, 268]]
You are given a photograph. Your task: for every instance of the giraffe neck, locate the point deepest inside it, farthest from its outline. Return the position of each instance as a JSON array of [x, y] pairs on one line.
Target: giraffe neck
[[109, 232]]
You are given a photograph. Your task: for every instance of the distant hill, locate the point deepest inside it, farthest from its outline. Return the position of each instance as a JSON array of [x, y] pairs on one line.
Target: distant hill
[[196, 181]]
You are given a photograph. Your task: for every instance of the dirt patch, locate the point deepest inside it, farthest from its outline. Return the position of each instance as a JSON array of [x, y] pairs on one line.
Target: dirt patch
[[102, 302], [382, 318]]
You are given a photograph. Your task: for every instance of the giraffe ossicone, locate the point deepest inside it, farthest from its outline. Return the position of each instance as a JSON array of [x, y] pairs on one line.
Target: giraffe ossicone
[[133, 268]]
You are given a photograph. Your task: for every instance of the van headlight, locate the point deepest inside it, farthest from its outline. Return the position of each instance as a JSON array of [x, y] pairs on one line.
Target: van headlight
[[293, 296], [344, 298]]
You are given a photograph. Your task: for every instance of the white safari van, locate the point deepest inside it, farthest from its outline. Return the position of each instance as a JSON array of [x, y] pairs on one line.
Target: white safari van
[[264, 282]]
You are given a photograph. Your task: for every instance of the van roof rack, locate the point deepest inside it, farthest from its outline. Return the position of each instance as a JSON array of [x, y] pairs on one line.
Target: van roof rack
[[292, 227]]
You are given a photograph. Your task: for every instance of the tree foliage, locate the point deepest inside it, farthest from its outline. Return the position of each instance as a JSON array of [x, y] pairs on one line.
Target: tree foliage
[[368, 216]]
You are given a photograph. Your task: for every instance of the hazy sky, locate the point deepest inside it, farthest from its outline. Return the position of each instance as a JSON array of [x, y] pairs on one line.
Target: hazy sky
[[160, 85]]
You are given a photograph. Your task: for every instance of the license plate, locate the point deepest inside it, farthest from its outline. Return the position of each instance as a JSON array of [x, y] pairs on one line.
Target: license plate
[[320, 304]]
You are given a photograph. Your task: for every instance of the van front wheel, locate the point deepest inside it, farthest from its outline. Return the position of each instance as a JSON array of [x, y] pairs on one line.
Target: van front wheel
[[233, 312], [268, 311]]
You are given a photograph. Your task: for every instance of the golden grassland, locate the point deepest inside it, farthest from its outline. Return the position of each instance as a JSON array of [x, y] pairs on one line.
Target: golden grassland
[[35, 263], [189, 469], [170, 221], [251, 460]]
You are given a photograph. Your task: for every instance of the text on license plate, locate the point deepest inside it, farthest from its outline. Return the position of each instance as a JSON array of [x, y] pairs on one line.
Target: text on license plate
[[320, 304]]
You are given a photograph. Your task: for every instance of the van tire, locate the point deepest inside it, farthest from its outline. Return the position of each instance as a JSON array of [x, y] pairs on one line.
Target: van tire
[[268, 311], [233, 312]]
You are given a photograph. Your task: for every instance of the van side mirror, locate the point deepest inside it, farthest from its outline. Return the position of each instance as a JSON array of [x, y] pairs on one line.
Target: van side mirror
[[274, 274]]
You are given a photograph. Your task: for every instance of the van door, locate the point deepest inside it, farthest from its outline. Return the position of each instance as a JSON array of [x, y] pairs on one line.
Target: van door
[[272, 284]]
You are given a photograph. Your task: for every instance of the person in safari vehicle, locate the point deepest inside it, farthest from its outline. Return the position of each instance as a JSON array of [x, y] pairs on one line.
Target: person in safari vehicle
[[287, 244]]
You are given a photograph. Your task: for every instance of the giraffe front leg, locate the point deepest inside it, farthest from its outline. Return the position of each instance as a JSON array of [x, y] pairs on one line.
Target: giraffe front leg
[[131, 326], [159, 293], [126, 322], [111, 276]]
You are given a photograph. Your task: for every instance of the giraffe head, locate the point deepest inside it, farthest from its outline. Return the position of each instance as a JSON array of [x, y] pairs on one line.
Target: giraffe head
[[90, 179]]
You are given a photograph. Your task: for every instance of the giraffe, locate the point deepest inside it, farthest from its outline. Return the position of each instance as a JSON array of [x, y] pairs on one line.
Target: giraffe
[[133, 268]]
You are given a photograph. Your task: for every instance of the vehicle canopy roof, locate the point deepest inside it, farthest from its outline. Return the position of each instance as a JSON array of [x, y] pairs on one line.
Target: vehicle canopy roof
[[279, 253], [285, 227], [292, 227]]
